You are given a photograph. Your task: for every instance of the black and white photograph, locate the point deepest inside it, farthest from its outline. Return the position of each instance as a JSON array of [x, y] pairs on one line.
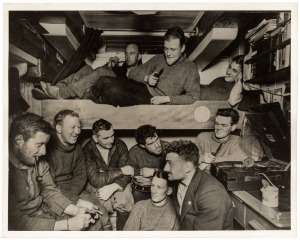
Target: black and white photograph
[[150, 117]]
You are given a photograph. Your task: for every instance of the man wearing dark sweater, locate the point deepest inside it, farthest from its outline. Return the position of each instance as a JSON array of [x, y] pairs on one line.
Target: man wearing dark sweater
[[67, 165], [165, 79], [147, 156]]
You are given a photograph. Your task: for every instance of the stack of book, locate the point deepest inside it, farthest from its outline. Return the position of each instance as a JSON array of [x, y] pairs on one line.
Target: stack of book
[[260, 31]]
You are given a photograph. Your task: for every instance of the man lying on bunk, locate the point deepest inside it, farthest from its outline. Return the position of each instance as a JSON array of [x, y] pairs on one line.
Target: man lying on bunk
[[226, 88], [78, 85], [165, 79], [34, 203], [67, 165], [200, 200], [220, 145], [157, 213], [107, 170], [147, 156]]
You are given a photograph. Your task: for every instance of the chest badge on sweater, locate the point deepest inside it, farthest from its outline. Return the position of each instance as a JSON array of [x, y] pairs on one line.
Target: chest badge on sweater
[[189, 203]]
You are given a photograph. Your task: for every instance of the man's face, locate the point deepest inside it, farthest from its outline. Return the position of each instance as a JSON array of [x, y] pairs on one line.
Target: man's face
[[105, 138], [159, 190], [173, 50], [131, 55], [153, 145], [223, 127], [175, 166], [69, 130], [33, 147], [232, 72]]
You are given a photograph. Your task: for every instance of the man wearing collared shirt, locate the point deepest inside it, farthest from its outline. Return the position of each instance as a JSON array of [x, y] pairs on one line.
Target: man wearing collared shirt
[[200, 200]]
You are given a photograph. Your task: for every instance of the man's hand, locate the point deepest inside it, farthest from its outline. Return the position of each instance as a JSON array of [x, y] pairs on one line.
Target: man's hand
[[147, 172], [209, 158], [92, 208], [152, 80], [113, 61], [74, 210], [127, 170], [79, 222], [160, 100], [105, 192]]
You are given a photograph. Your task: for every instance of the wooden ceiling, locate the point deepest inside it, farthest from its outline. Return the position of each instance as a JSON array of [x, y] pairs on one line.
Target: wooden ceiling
[[123, 27]]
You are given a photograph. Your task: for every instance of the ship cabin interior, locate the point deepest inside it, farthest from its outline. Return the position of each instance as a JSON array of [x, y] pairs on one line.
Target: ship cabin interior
[[42, 43]]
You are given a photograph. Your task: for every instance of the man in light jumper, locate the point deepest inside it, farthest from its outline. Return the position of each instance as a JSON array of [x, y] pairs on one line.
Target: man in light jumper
[[157, 213], [220, 145]]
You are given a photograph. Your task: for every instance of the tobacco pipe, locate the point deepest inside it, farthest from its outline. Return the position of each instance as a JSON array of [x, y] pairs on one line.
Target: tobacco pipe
[[38, 177], [215, 153]]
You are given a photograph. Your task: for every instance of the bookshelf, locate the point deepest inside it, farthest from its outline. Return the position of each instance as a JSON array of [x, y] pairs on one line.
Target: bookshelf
[[268, 60]]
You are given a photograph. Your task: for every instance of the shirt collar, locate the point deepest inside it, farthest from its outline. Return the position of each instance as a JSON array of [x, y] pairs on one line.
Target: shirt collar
[[187, 180], [220, 140]]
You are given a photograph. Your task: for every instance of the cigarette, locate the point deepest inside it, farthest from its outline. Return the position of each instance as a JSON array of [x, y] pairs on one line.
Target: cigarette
[[98, 211]]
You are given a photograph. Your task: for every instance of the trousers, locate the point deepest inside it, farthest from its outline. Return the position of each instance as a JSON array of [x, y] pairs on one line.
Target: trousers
[[120, 92]]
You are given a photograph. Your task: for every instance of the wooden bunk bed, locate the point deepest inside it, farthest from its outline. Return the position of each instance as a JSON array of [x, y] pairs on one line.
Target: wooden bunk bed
[[161, 116]]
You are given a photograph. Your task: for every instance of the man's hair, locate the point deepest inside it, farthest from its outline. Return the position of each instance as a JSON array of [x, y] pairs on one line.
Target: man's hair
[[164, 175], [144, 132], [135, 44], [101, 124], [28, 125], [186, 149], [239, 60], [60, 116], [229, 112], [175, 33]]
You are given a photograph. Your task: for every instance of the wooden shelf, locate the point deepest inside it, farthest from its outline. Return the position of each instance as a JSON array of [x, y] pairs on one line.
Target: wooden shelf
[[282, 74], [279, 46]]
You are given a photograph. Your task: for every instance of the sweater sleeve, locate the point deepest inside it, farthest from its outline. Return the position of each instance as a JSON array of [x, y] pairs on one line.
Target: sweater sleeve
[[52, 195], [199, 144], [133, 161], [134, 221], [140, 72], [22, 222], [191, 87], [79, 178]]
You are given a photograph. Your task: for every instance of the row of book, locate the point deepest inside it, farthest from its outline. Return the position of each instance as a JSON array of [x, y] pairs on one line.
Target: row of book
[[260, 31]]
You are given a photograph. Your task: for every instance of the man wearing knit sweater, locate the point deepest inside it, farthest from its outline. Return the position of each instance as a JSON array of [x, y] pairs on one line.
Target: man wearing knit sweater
[[147, 156], [220, 145], [165, 79], [157, 213], [67, 164]]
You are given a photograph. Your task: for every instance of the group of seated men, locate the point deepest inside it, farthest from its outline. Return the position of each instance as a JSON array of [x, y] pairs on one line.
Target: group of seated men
[[169, 78], [55, 183]]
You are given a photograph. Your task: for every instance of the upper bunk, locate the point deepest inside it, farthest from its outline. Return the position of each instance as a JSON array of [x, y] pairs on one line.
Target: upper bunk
[[49, 38]]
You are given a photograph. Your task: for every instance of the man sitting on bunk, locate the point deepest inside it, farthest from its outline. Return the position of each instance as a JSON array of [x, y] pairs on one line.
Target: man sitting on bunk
[[165, 79], [147, 156], [157, 213], [220, 145], [67, 165], [107, 170], [78, 85]]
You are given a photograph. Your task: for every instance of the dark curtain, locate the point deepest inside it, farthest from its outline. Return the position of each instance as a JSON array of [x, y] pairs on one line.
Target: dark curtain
[[88, 44]]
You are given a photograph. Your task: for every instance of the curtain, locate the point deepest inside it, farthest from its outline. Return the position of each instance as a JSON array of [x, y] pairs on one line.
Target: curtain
[[87, 45]]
